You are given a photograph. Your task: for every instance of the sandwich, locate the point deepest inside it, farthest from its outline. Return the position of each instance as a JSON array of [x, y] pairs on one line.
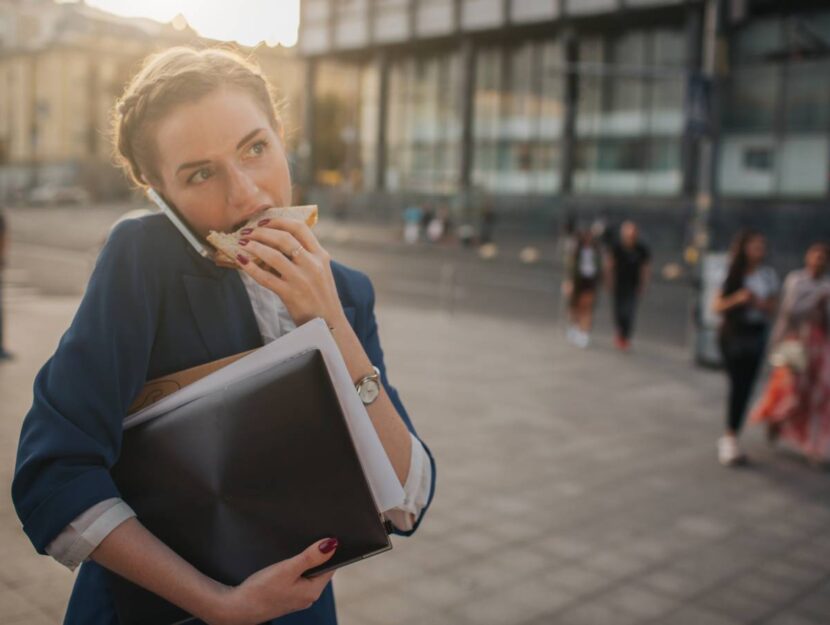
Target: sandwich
[[227, 243]]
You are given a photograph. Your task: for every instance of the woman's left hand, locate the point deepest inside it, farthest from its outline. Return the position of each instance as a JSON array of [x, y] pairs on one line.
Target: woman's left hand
[[296, 267]]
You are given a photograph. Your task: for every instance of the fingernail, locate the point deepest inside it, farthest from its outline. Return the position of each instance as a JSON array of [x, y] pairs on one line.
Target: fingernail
[[242, 259], [246, 231], [327, 546], [262, 222], [243, 241]]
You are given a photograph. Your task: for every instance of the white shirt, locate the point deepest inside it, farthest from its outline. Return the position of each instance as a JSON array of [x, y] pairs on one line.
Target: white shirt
[[763, 283], [83, 535]]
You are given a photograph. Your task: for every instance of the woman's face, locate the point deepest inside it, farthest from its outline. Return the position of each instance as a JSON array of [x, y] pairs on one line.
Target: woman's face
[[756, 249], [220, 161]]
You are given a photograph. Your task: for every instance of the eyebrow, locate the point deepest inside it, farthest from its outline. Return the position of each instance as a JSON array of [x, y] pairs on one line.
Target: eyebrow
[[243, 141]]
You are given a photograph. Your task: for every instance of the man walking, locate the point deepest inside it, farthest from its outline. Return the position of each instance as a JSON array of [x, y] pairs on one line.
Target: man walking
[[629, 271]]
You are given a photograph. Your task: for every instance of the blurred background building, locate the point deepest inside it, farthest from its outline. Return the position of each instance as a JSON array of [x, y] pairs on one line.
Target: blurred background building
[[672, 112], [693, 117], [61, 68]]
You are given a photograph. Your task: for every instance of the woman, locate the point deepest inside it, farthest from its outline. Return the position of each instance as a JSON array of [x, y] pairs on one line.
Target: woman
[[201, 128], [585, 267], [796, 403], [747, 302]]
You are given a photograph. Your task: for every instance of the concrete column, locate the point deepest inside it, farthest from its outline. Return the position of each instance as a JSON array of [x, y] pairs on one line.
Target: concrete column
[[383, 116], [306, 148], [568, 141], [468, 83], [706, 157]]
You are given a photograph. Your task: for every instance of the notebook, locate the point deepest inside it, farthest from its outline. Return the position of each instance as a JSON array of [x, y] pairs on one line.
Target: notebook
[[245, 476]]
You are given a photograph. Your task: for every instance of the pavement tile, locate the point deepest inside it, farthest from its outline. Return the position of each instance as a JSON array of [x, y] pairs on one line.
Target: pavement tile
[[494, 608], [736, 604], [441, 591], [791, 618], [576, 579], [591, 613], [537, 595], [780, 571], [763, 588], [388, 604], [692, 615], [30, 618], [816, 604], [673, 582], [615, 563], [639, 601], [566, 547]]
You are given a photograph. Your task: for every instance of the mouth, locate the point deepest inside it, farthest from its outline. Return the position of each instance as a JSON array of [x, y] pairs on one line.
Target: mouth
[[244, 221]]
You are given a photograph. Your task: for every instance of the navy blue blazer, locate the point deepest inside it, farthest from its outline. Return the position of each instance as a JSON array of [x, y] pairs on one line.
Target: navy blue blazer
[[152, 306]]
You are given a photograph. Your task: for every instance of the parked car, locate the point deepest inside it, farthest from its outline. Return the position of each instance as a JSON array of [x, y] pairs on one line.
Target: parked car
[[53, 195]]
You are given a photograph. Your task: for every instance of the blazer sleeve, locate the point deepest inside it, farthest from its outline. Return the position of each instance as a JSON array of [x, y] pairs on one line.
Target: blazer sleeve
[[71, 436], [371, 344]]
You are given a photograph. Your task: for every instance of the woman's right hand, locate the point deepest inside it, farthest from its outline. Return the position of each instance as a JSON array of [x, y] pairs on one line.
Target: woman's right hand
[[276, 590]]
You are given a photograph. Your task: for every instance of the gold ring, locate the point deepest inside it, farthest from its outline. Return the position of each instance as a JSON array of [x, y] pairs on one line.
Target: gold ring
[[296, 251]]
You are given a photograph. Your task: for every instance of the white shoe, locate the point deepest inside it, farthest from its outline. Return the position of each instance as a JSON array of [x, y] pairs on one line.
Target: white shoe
[[729, 454], [571, 334], [582, 339]]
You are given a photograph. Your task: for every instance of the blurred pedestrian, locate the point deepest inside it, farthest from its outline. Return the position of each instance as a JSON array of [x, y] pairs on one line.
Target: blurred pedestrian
[[488, 224], [796, 401], [440, 226], [747, 303], [566, 247], [427, 216], [586, 268], [412, 216], [629, 271], [4, 354]]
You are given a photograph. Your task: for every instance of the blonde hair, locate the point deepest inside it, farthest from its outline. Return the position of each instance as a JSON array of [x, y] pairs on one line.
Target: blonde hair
[[169, 79]]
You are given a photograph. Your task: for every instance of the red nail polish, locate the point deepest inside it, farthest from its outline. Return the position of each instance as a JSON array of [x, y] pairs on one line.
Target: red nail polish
[[243, 241], [246, 231], [263, 222], [329, 545], [242, 259]]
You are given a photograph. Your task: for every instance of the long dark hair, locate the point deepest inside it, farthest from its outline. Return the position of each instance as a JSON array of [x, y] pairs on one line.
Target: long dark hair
[[739, 262]]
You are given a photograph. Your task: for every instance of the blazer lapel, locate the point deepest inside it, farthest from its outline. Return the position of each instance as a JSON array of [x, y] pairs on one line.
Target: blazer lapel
[[223, 315]]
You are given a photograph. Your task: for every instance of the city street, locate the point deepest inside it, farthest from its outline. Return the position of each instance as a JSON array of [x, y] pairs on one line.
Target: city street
[[429, 277], [575, 487]]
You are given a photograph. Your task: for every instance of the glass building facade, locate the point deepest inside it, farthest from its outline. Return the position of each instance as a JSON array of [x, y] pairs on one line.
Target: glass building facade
[[508, 99], [776, 119]]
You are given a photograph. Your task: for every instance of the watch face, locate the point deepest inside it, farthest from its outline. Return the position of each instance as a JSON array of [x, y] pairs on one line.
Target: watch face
[[369, 391]]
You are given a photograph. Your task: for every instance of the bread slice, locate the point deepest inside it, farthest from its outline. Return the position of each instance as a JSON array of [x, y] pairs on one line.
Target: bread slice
[[227, 243]]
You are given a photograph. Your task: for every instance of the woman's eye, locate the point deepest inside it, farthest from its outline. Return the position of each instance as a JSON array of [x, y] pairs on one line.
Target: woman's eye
[[258, 148], [200, 175]]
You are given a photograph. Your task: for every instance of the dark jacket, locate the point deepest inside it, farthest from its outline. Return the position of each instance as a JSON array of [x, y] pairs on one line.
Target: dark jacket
[[153, 306]]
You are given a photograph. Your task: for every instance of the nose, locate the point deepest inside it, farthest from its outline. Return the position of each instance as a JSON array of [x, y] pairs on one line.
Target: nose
[[241, 190]]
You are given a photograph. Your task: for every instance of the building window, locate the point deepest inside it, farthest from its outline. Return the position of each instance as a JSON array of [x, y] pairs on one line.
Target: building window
[[776, 120], [630, 114], [315, 25], [424, 124], [518, 118]]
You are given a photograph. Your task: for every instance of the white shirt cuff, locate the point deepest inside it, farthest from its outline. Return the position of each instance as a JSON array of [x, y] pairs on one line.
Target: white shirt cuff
[[83, 535], [416, 489]]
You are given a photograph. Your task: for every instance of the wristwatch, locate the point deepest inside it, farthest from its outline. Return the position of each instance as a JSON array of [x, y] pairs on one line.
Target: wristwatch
[[368, 388]]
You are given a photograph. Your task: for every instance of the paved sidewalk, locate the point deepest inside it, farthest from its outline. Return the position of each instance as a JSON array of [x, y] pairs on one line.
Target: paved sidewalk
[[574, 488]]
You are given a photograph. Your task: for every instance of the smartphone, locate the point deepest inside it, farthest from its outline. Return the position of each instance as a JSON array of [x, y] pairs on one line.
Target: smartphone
[[181, 225]]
